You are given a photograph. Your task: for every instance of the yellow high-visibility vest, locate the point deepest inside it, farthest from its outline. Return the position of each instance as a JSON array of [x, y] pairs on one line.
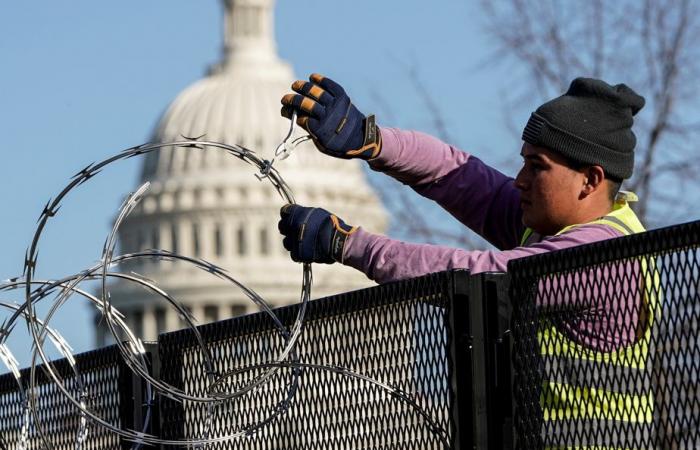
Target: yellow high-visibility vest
[[594, 399]]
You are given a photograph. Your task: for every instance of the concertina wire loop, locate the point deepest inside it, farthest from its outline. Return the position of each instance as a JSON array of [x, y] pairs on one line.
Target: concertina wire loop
[[132, 349]]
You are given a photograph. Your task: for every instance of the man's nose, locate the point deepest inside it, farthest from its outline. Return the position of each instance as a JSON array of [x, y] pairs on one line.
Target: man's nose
[[520, 181]]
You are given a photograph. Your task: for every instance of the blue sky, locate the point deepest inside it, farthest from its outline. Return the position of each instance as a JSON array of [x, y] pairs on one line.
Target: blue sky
[[82, 80]]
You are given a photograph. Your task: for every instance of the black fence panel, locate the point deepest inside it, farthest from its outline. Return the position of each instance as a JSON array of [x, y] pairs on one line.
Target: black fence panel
[[606, 344], [397, 334], [108, 386]]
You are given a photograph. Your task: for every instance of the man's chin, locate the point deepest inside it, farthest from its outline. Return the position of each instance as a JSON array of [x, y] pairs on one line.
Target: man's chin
[[533, 224]]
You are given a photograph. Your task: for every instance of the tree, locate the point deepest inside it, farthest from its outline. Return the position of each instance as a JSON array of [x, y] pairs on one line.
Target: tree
[[649, 45]]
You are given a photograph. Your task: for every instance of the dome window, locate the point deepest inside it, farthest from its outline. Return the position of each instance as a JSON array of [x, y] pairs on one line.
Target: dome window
[[173, 238], [195, 240], [211, 313], [140, 241], [159, 314], [218, 241], [186, 160], [264, 242], [155, 238], [237, 310], [170, 152], [241, 240]]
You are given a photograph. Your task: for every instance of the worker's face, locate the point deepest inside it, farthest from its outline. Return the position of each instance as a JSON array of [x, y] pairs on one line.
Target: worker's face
[[549, 190]]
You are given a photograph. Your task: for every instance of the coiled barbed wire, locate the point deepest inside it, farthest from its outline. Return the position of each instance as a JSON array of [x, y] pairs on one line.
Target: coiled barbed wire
[[45, 289], [136, 347], [132, 349]]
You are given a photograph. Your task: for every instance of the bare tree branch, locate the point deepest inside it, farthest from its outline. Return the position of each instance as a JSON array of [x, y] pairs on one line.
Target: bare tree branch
[[410, 218], [555, 41]]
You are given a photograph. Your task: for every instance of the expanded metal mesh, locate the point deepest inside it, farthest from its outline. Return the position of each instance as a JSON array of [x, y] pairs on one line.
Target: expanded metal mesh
[[103, 376], [606, 349], [396, 334]]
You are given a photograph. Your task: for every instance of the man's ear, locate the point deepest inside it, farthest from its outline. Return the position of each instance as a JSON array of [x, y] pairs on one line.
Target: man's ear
[[593, 179]]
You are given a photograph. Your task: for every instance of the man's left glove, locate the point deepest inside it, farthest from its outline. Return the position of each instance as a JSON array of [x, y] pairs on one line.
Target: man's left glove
[[337, 127], [313, 234]]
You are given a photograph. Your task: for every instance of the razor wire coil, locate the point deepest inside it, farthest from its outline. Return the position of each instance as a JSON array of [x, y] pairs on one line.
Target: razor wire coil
[[131, 348]]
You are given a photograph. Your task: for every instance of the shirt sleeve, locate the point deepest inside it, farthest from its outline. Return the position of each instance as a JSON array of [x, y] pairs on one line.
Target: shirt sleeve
[[477, 195], [383, 259]]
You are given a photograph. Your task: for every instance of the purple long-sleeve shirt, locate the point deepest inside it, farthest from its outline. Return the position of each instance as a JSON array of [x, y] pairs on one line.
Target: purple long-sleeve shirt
[[477, 195], [489, 203]]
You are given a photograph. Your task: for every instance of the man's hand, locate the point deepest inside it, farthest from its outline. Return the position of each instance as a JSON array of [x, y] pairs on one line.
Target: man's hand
[[336, 126], [313, 234]]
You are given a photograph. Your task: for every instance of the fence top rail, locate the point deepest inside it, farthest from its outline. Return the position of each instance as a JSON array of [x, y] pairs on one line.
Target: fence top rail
[[661, 240]]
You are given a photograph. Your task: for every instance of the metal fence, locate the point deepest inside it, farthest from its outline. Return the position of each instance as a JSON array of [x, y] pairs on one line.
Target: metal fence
[[591, 347], [380, 367], [397, 335], [105, 379], [606, 349]]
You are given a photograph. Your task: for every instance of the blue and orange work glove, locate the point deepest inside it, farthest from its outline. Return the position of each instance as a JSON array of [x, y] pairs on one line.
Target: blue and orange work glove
[[313, 234], [336, 126]]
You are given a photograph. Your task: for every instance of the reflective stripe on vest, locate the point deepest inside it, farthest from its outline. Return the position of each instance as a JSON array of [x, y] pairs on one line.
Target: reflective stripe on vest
[[590, 398], [609, 435]]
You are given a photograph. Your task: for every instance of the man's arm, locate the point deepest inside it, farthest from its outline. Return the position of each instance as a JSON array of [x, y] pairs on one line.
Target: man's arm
[[383, 259], [477, 195], [480, 197]]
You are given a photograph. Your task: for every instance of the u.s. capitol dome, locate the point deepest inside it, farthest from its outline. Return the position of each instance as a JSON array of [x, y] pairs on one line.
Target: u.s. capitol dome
[[209, 205]]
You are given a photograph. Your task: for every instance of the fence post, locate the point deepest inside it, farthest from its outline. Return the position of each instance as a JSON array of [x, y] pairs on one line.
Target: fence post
[[500, 314], [171, 414], [490, 325], [132, 396], [142, 396], [480, 360], [127, 402], [461, 357]]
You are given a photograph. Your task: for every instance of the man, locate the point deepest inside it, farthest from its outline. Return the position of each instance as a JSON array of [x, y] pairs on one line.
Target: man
[[577, 150]]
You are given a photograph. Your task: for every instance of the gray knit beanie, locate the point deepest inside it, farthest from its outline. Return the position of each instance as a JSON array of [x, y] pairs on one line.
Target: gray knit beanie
[[590, 124]]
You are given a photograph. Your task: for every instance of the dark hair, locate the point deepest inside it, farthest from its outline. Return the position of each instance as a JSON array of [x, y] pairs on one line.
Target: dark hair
[[614, 185]]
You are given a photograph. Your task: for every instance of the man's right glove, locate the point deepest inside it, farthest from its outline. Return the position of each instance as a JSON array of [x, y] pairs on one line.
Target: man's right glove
[[336, 126], [313, 234]]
